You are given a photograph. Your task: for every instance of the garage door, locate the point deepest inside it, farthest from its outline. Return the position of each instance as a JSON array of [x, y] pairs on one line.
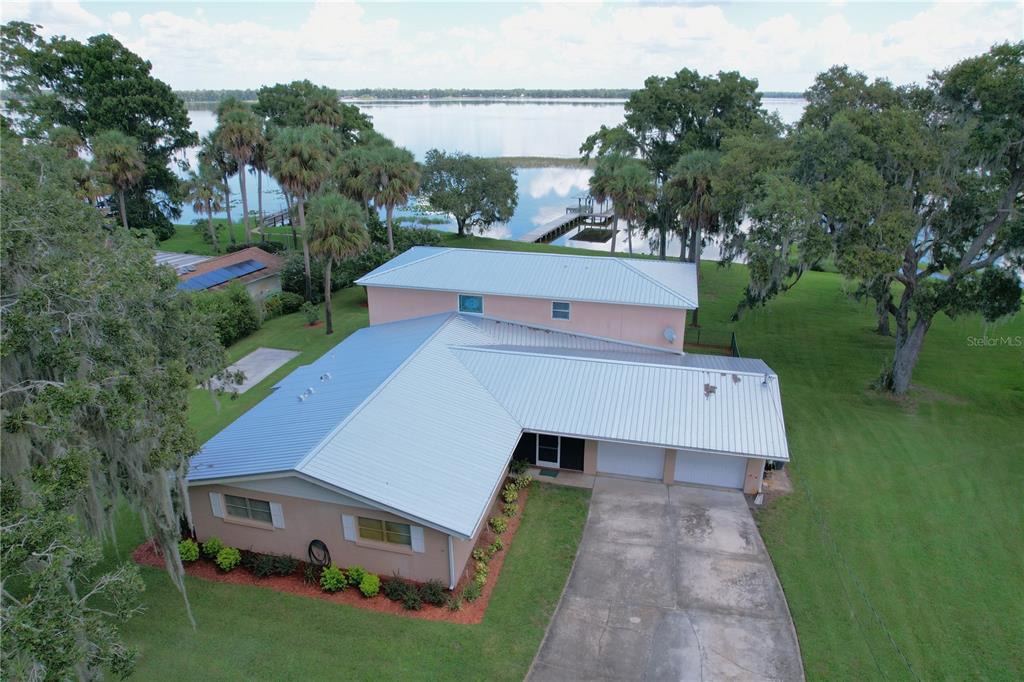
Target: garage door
[[723, 471], [630, 460]]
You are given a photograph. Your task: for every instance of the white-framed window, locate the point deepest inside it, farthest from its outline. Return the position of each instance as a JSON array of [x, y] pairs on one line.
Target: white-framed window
[[560, 310], [248, 508], [470, 303], [379, 530]]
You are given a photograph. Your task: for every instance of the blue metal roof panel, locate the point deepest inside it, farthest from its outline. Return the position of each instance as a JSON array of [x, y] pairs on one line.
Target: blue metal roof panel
[[541, 275]]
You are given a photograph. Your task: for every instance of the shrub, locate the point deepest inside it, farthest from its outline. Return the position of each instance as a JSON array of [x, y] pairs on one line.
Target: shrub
[[311, 574], [481, 567], [522, 481], [453, 602], [232, 310], [510, 493], [281, 303], [433, 592], [395, 588], [496, 546], [228, 558], [349, 270], [188, 549], [332, 579], [471, 592], [510, 509], [405, 237], [518, 466], [285, 564], [499, 524], [292, 277], [480, 579], [411, 600], [369, 585], [212, 547], [355, 575], [311, 312], [480, 554], [260, 565]]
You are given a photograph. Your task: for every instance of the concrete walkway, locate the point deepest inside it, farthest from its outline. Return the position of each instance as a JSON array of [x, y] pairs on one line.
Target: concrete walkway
[[257, 366], [670, 583]]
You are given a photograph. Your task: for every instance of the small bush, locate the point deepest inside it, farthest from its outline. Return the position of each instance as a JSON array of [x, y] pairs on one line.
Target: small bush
[[472, 592], [496, 546], [232, 310], [522, 481], [480, 554], [281, 303], [188, 549], [481, 567], [499, 524], [510, 493], [411, 600], [510, 509], [355, 575], [453, 602], [311, 574], [260, 565], [228, 558], [518, 466], [332, 579], [312, 313], [480, 579], [433, 592], [395, 588], [212, 547], [369, 585], [284, 564]]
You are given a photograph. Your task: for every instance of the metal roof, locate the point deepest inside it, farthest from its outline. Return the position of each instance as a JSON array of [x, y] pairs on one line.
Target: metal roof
[[181, 262], [601, 279], [406, 413]]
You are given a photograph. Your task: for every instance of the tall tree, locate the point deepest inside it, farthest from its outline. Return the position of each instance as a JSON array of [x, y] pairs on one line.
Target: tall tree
[[66, 139], [213, 155], [119, 161], [394, 177], [301, 163], [632, 190], [287, 105], [239, 132], [95, 86], [205, 193], [601, 186], [337, 230], [100, 351], [476, 192]]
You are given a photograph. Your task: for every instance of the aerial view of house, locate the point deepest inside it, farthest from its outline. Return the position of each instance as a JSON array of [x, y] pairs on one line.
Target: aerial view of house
[[252, 267]]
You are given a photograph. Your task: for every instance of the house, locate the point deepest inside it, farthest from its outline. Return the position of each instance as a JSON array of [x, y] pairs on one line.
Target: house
[[392, 447], [181, 262], [258, 271], [634, 300]]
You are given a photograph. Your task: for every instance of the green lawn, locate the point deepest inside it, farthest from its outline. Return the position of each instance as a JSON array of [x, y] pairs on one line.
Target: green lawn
[[905, 530], [189, 238]]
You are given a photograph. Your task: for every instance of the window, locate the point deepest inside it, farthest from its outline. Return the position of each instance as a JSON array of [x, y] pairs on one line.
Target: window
[[247, 508], [560, 310], [471, 304], [385, 531]]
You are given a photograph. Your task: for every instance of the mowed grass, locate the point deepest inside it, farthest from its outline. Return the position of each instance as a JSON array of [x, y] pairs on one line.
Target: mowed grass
[[252, 633], [190, 239]]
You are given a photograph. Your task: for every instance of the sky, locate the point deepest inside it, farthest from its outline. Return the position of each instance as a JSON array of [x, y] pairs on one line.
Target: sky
[[531, 45]]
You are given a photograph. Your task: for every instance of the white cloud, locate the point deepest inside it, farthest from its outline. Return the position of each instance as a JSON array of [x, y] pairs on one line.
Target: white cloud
[[541, 45]]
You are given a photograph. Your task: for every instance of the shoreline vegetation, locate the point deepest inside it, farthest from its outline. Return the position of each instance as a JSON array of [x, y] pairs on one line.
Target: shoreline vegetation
[[212, 97]]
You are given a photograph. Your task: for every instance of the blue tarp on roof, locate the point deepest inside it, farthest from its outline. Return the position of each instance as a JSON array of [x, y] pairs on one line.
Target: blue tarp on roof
[[221, 275]]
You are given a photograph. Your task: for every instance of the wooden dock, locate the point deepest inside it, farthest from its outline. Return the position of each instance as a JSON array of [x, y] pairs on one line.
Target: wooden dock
[[582, 215], [282, 217]]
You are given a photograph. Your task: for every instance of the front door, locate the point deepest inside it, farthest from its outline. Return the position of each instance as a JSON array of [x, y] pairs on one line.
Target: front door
[[547, 451]]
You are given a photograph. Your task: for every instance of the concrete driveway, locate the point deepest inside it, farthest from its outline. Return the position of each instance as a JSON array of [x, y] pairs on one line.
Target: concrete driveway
[[670, 583]]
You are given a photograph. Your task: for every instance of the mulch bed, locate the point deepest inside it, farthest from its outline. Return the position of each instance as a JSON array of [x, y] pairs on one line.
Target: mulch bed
[[147, 554]]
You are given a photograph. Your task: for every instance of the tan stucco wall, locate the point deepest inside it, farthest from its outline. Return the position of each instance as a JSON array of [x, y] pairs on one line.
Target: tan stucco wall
[[636, 324], [590, 456], [669, 476], [306, 520], [755, 474], [261, 288]]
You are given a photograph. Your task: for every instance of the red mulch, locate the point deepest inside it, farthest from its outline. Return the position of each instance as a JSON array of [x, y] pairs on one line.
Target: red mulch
[[147, 554]]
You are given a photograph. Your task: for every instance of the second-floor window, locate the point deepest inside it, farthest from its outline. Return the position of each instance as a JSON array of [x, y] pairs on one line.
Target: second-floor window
[[560, 310], [471, 304]]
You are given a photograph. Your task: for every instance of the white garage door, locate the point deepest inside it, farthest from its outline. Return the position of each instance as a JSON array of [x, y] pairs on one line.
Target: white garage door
[[721, 470], [630, 460]]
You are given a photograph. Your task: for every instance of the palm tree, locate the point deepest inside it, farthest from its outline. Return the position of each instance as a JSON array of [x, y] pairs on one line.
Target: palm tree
[[337, 230], [213, 155], [238, 132], [395, 175], [119, 162], [301, 164], [692, 175], [325, 110], [68, 140], [205, 192], [632, 190], [258, 165], [351, 174], [601, 186]]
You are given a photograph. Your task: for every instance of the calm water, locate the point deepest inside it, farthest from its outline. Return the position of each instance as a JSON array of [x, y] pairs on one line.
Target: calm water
[[531, 128]]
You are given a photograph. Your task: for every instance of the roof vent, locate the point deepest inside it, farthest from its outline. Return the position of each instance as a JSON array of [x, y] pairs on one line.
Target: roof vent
[[670, 334], [325, 377], [709, 390], [302, 397]]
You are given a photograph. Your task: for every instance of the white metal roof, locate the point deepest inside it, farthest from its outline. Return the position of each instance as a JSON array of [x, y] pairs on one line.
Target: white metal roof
[[181, 262], [421, 416], [564, 277]]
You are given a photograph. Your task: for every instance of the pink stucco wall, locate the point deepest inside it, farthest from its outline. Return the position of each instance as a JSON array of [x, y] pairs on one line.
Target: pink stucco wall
[[636, 324]]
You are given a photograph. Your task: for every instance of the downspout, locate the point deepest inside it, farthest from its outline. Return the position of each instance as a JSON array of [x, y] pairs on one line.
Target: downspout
[[451, 564]]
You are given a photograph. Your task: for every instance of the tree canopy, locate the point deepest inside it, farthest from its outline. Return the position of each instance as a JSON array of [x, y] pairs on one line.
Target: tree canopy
[[476, 192]]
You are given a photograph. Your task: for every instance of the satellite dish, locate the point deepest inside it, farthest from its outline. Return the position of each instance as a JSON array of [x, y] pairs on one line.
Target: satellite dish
[[670, 334]]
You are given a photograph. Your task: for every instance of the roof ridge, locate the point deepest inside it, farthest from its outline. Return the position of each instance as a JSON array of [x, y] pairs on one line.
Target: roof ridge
[[440, 250], [373, 394], [655, 282]]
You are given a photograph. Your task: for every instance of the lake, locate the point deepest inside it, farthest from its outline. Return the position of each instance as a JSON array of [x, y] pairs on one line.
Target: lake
[[519, 128]]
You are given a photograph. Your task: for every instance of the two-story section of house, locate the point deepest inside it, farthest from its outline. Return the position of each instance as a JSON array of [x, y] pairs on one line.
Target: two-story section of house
[[633, 300]]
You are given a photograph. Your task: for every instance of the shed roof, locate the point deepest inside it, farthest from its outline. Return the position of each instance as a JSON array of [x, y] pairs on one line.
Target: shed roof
[[563, 277], [401, 414], [271, 265]]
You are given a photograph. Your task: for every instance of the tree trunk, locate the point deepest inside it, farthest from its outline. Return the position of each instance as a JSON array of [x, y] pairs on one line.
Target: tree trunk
[[389, 210], [908, 349], [629, 235], [124, 212], [259, 193], [291, 223], [883, 320], [305, 250], [663, 245], [695, 243], [615, 230], [327, 296], [209, 225], [227, 209], [245, 203], [462, 226]]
